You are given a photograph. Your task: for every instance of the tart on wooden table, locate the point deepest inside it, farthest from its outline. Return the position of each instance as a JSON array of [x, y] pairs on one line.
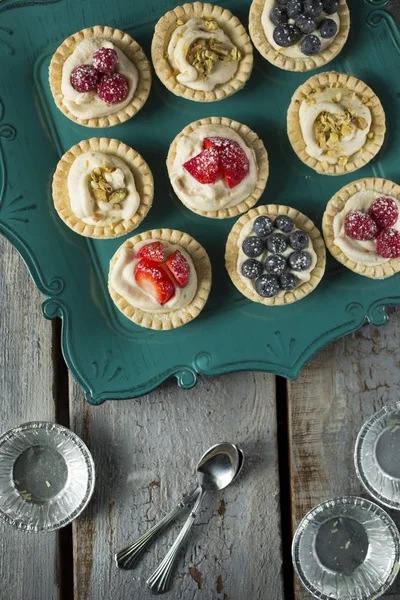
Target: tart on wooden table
[[361, 227], [100, 77], [336, 123], [299, 35], [275, 255], [160, 279], [201, 52], [218, 168], [102, 188]]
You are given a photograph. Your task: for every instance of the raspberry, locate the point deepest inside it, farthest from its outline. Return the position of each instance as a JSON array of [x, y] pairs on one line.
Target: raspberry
[[360, 226], [105, 60], [84, 78], [113, 88], [384, 212], [388, 243]]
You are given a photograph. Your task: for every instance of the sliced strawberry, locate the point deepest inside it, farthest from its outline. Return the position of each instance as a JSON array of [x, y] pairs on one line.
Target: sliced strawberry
[[154, 251], [179, 267], [154, 280], [204, 167], [234, 163]]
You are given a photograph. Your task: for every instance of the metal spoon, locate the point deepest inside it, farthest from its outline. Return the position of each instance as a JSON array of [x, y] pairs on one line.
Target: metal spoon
[[214, 472], [127, 558]]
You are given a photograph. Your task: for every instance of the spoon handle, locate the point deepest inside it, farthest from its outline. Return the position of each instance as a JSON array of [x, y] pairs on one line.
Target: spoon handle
[[127, 558], [159, 582]]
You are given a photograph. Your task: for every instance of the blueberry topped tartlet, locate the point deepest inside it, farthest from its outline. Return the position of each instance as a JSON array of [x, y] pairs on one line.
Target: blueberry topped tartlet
[[275, 255], [299, 35]]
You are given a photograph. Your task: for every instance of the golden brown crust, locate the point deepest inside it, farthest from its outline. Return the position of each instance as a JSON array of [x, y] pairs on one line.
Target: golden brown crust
[[302, 222], [228, 23], [129, 47], [141, 174], [336, 205], [307, 63], [378, 126], [252, 141], [181, 316]]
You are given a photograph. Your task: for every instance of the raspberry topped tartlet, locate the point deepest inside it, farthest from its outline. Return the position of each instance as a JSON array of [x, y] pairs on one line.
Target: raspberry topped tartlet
[[361, 227], [218, 167], [336, 124], [160, 279], [100, 77], [201, 52], [102, 188], [299, 35], [275, 255]]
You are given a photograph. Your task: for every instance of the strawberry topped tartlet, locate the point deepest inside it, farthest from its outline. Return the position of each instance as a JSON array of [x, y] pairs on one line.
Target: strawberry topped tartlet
[[160, 279], [362, 227], [218, 167], [100, 77]]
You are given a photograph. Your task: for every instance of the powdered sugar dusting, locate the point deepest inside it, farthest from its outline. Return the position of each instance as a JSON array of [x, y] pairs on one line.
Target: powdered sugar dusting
[[388, 243], [360, 226], [105, 60], [384, 211]]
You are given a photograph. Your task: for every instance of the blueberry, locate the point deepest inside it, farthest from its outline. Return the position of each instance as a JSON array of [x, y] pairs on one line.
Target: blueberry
[[277, 243], [299, 240], [282, 2], [278, 15], [331, 6], [305, 24], [327, 28], [314, 8], [294, 8], [267, 286], [275, 264], [286, 35], [263, 226], [284, 223], [253, 246], [251, 268], [311, 45], [299, 261], [288, 281]]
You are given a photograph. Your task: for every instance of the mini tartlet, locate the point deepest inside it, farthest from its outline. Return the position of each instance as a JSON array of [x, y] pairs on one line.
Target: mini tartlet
[[160, 279], [361, 227], [291, 56], [275, 255], [104, 90], [336, 123], [102, 188], [201, 52], [218, 168]]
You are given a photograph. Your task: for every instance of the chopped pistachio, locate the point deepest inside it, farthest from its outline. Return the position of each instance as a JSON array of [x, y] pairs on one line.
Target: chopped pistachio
[[104, 185], [343, 160], [100, 195], [370, 136], [118, 195], [235, 54], [361, 123], [179, 22], [210, 24]]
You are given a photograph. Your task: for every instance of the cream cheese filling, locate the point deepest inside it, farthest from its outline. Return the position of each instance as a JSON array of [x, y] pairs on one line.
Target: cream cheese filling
[[210, 196], [80, 186], [295, 50], [88, 105], [363, 253], [301, 276], [182, 38], [122, 279]]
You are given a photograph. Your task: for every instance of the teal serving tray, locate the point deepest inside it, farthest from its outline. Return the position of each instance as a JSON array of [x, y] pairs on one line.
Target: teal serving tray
[[109, 356]]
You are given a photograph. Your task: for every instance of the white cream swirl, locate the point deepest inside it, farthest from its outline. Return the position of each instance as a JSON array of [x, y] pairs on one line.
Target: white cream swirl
[[301, 276], [334, 101], [83, 203], [178, 48], [88, 105], [363, 253], [210, 196], [295, 50], [122, 279]]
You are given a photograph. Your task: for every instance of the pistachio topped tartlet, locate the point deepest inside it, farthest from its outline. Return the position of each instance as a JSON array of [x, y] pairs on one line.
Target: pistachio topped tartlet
[[102, 188], [336, 124], [201, 52]]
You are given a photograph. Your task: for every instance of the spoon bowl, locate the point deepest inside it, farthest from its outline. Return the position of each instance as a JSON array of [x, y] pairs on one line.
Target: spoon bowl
[[218, 467]]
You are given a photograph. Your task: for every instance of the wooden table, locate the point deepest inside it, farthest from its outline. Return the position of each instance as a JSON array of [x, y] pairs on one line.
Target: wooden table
[[298, 438]]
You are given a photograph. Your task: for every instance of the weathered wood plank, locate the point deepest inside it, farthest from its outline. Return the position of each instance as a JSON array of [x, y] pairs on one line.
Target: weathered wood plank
[[145, 452], [27, 561], [340, 388]]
